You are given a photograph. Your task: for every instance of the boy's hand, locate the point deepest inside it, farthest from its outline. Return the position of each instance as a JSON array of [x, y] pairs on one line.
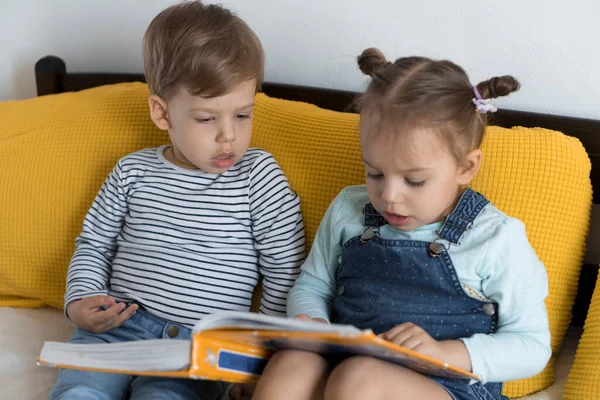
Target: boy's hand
[[241, 391], [414, 338], [88, 314], [305, 317]]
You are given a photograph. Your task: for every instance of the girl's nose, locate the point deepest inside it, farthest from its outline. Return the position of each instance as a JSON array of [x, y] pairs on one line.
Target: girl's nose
[[392, 192]]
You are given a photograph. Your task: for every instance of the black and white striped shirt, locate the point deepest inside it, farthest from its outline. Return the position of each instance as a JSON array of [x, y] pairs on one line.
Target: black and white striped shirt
[[185, 243]]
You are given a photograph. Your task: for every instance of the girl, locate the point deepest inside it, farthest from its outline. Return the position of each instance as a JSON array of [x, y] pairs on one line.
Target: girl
[[416, 256]]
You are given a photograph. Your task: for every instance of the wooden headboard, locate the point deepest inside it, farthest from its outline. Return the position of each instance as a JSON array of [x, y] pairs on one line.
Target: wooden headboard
[[52, 77]]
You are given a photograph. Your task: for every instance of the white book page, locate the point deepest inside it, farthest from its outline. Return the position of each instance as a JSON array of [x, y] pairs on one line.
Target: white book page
[[141, 355], [248, 320]]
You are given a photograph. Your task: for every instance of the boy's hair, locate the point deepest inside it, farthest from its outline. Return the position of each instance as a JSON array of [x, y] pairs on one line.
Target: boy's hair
[[417, 92], [205, 48]]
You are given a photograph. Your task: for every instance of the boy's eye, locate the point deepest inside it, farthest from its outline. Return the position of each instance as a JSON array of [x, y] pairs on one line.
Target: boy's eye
[[205, 120], [414, 184], [243, 116]]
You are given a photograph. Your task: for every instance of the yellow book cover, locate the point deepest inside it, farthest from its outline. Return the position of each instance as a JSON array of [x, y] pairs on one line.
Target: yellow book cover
[[235, 347]]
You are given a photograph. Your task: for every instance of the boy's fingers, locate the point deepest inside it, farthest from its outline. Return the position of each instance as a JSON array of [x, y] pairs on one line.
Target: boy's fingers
[[99, 301], [103, 317], [303, 317], [122, 317]]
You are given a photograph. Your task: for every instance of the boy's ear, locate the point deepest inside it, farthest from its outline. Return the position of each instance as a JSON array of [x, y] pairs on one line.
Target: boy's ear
[[469, 167], [158, 112]]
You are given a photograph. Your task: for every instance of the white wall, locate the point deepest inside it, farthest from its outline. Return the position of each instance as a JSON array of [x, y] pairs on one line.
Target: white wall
[[550, 45]]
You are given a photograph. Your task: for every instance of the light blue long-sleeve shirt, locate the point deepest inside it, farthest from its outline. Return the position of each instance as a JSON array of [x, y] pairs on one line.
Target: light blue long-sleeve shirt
[[494, 260]]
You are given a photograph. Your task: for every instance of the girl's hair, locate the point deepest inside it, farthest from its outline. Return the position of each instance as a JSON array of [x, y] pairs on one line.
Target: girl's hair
[[417, 92]]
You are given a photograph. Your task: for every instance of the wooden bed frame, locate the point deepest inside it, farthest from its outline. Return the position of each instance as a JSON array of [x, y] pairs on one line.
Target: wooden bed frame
[[52, 77]]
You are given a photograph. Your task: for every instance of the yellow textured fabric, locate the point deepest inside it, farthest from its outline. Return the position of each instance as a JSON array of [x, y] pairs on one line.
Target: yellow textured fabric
[[55, 152], [583, 382], [319, 151], [542, 178]]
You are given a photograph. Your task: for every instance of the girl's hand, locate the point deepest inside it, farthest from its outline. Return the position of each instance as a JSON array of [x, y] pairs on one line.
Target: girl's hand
[[89, 313], [305, 317], [241, 391], [415, 338]]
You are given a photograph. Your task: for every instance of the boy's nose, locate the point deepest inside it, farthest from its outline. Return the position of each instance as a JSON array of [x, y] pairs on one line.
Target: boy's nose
[[226, 134]]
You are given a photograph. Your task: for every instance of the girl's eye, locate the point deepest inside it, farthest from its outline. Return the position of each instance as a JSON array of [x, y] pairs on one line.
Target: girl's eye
[[414, 184], [374, 176], [205, 120]]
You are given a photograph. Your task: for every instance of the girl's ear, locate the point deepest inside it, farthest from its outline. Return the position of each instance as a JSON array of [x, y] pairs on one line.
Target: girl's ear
[[469, 167], [158, 112]]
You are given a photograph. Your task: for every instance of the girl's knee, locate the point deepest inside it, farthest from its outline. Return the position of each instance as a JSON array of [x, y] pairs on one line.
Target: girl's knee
[[296, 359], [368, 378], [354, 378], [292, 374]]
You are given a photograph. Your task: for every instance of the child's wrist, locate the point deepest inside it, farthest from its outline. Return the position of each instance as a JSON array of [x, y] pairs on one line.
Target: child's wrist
[[455, 353]]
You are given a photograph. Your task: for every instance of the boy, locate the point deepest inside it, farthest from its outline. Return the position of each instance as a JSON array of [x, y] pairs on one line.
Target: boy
[[182, 231]]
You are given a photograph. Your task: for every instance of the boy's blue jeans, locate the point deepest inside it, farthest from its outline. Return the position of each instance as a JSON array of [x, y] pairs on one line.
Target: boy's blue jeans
[[75, 384]]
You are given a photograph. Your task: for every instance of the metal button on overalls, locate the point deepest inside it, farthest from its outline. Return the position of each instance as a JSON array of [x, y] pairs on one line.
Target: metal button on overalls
[[435, 249], [489, 309]]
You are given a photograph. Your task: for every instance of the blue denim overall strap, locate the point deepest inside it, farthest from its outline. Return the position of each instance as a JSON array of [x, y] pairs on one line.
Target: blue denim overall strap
[[372, 217], [382, 283], [461, 219]]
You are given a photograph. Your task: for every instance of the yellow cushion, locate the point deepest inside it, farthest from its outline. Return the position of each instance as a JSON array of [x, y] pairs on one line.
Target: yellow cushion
[[55, 152], [583, 382], [542, 178]]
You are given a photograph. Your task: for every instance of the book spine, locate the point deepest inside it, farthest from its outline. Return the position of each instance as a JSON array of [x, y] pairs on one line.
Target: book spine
[[217, 359]]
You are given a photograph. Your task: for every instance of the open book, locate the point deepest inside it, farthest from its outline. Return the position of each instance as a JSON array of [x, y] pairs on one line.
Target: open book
[[235, 347]]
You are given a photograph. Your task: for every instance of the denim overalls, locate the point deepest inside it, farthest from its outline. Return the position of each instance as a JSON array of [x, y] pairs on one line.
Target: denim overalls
[[382, 283]]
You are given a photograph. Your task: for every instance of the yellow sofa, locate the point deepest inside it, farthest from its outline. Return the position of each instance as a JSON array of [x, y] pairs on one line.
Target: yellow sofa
[[55, 152]]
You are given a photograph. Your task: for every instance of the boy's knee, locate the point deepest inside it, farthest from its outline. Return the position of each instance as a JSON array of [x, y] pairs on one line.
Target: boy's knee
[[78, 392]]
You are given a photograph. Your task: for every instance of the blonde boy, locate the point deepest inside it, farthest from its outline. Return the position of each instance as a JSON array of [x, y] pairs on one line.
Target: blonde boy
[[184, 230]]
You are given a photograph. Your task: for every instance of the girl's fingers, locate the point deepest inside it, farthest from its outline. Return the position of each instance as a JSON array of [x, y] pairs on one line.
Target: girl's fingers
[[402, 337], [396, 330], [413, 342]]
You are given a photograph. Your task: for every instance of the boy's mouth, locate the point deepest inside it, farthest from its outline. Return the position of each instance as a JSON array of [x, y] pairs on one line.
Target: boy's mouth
[[223, 160]]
